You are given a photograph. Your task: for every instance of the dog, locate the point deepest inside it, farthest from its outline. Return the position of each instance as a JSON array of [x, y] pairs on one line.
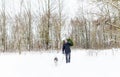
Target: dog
[[56, 61]]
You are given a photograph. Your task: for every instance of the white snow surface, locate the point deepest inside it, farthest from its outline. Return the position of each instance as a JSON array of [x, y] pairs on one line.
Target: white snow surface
[[84, 63]]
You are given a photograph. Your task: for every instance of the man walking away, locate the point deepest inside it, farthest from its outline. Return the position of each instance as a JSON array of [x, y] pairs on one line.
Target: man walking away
[[66, 50]]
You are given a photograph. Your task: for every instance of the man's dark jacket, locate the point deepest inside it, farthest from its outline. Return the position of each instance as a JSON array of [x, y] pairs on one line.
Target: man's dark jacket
[[66, 48]]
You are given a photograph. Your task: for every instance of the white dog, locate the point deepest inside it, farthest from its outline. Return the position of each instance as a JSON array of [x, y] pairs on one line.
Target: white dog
[[56, 61]]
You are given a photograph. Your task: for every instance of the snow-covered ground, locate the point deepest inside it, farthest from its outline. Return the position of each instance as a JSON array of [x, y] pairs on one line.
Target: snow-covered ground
[[84, 63]]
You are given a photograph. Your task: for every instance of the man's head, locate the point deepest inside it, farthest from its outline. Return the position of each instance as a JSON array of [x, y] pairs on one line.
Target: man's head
[[64, 41]]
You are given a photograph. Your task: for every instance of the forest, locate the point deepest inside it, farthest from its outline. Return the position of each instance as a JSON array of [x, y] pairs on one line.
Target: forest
[[34, 27]]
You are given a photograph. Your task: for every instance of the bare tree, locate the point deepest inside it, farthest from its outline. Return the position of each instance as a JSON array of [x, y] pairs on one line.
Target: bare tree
[[4, 41]]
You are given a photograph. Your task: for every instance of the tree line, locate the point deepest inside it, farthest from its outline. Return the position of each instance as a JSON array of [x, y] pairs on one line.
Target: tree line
[[99, 30], [28, 30], [33, 31]]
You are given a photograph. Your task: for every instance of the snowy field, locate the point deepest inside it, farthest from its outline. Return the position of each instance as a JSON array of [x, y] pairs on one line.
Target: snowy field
[[84, 63]]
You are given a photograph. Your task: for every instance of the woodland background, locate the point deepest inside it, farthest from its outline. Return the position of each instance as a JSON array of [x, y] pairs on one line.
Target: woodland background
[[44, 28]]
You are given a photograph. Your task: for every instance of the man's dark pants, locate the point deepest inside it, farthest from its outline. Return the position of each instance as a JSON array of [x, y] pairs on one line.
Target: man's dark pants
[[67, 57]]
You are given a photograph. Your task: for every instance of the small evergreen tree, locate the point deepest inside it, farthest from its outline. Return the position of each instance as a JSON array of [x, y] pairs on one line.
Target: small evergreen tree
[[70, 41]]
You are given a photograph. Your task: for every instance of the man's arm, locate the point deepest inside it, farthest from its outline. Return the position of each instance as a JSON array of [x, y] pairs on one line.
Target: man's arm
[[69, 44], [63, 48]]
